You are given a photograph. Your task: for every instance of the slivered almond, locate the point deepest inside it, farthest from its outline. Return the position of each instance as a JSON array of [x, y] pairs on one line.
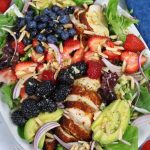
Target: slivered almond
[[45, 45], [22, 36], [117, 53], [113, 37], [49, 135], [86, 48], [85, 6], [124, 66], [118, 42], [27, 34], [41, 58], [110, 48], [89, 32], [103, 55], [75, 37], [69, 25], [61, 47], [49, 140], [27, 47], [23, 28], [119, 47], [42, 31]]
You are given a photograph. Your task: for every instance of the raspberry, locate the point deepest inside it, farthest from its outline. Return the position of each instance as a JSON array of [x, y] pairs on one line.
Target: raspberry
[[94, 69], [48, 75]]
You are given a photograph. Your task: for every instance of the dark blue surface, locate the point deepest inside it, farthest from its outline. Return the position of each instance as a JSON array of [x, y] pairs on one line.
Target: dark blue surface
[[141, 10]]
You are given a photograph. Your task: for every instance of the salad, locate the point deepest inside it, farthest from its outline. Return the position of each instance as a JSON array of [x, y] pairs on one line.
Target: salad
[[73, 75]]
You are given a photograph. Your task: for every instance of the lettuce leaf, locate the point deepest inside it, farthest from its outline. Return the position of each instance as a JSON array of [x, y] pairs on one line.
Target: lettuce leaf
[[80, 2], [131, 136], [118, 23], [7, 91], [144, 100], [19, 4]]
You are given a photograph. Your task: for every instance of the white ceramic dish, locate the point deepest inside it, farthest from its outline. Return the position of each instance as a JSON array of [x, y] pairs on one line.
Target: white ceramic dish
[[144, 131]]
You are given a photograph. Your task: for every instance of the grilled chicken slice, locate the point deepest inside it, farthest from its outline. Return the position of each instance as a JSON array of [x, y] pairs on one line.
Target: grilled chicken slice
[[50, 145], [89, 84], [76, 130], [66, 137]]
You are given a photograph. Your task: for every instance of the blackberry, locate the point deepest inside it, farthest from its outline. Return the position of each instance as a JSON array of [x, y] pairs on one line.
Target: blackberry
[[31, 86], [30, 108], [45, 89], [78, 69], [47, 105], [18, 118], [61, 92], [64, 76]]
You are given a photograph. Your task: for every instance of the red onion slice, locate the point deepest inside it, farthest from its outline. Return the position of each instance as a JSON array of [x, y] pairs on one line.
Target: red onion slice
[[92, 145], [142, 121], [56, 49], [65, 145], [19, 84], [26, 6], [45, 128], [111, 67]]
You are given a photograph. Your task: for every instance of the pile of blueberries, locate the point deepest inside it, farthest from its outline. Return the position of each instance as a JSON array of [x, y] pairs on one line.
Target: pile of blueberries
[[52, 20]]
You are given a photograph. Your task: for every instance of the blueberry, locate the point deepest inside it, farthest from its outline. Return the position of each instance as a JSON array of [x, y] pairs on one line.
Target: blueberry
[[69, 10], [41, 26], [64, 19], [20, 22], [41, 38], [64, 35], [40, 49], [37, 18], [59, 30], [47, 11], [55, 8], [44, 18], [28, 18], [72, 32], [60, 12], [26, 41], [32, 24], [33, 33], [52, 39], [53, 16], [53, 24], [30, 13]]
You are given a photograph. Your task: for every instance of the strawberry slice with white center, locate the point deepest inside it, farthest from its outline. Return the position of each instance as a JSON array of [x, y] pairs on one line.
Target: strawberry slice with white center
[[7, 76], [96, 42], [24, 68], [131, 60]]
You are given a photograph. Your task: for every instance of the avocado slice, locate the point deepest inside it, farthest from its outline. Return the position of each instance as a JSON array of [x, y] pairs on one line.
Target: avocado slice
[[30, 129], [112, 122], [31, 126], [41, 142]]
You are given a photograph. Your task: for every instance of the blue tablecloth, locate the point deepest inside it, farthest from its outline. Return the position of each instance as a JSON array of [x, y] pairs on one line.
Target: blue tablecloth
[[141, 10]]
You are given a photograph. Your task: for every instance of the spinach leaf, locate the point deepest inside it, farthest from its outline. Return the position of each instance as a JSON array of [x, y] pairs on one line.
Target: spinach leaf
[[117, 23], [131, 136]]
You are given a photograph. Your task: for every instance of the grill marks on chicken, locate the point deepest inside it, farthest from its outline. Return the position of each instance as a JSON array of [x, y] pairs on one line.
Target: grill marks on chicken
[[80, 106]]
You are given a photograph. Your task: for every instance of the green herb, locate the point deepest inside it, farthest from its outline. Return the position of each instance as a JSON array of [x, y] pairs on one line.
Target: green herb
[[147, 73], [7, 92], [19, 4], [81, 2], [131, 136], [144, 100], [118, 23]]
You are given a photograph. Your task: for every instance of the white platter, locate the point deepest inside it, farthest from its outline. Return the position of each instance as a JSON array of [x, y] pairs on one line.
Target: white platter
[[144, 131]]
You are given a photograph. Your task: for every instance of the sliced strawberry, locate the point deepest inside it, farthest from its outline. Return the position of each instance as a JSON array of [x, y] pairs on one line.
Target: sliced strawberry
[[96, 41], [94, 69], [35, 42], [131, 60], [78, 56], [24, 68], [36, 57], [47, 75], [111, 55], [20, 47], [70, 46], [133, 43], [7, 76]]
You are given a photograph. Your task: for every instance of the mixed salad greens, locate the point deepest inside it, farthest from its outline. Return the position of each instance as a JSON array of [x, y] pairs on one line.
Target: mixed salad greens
[[72, 74]]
